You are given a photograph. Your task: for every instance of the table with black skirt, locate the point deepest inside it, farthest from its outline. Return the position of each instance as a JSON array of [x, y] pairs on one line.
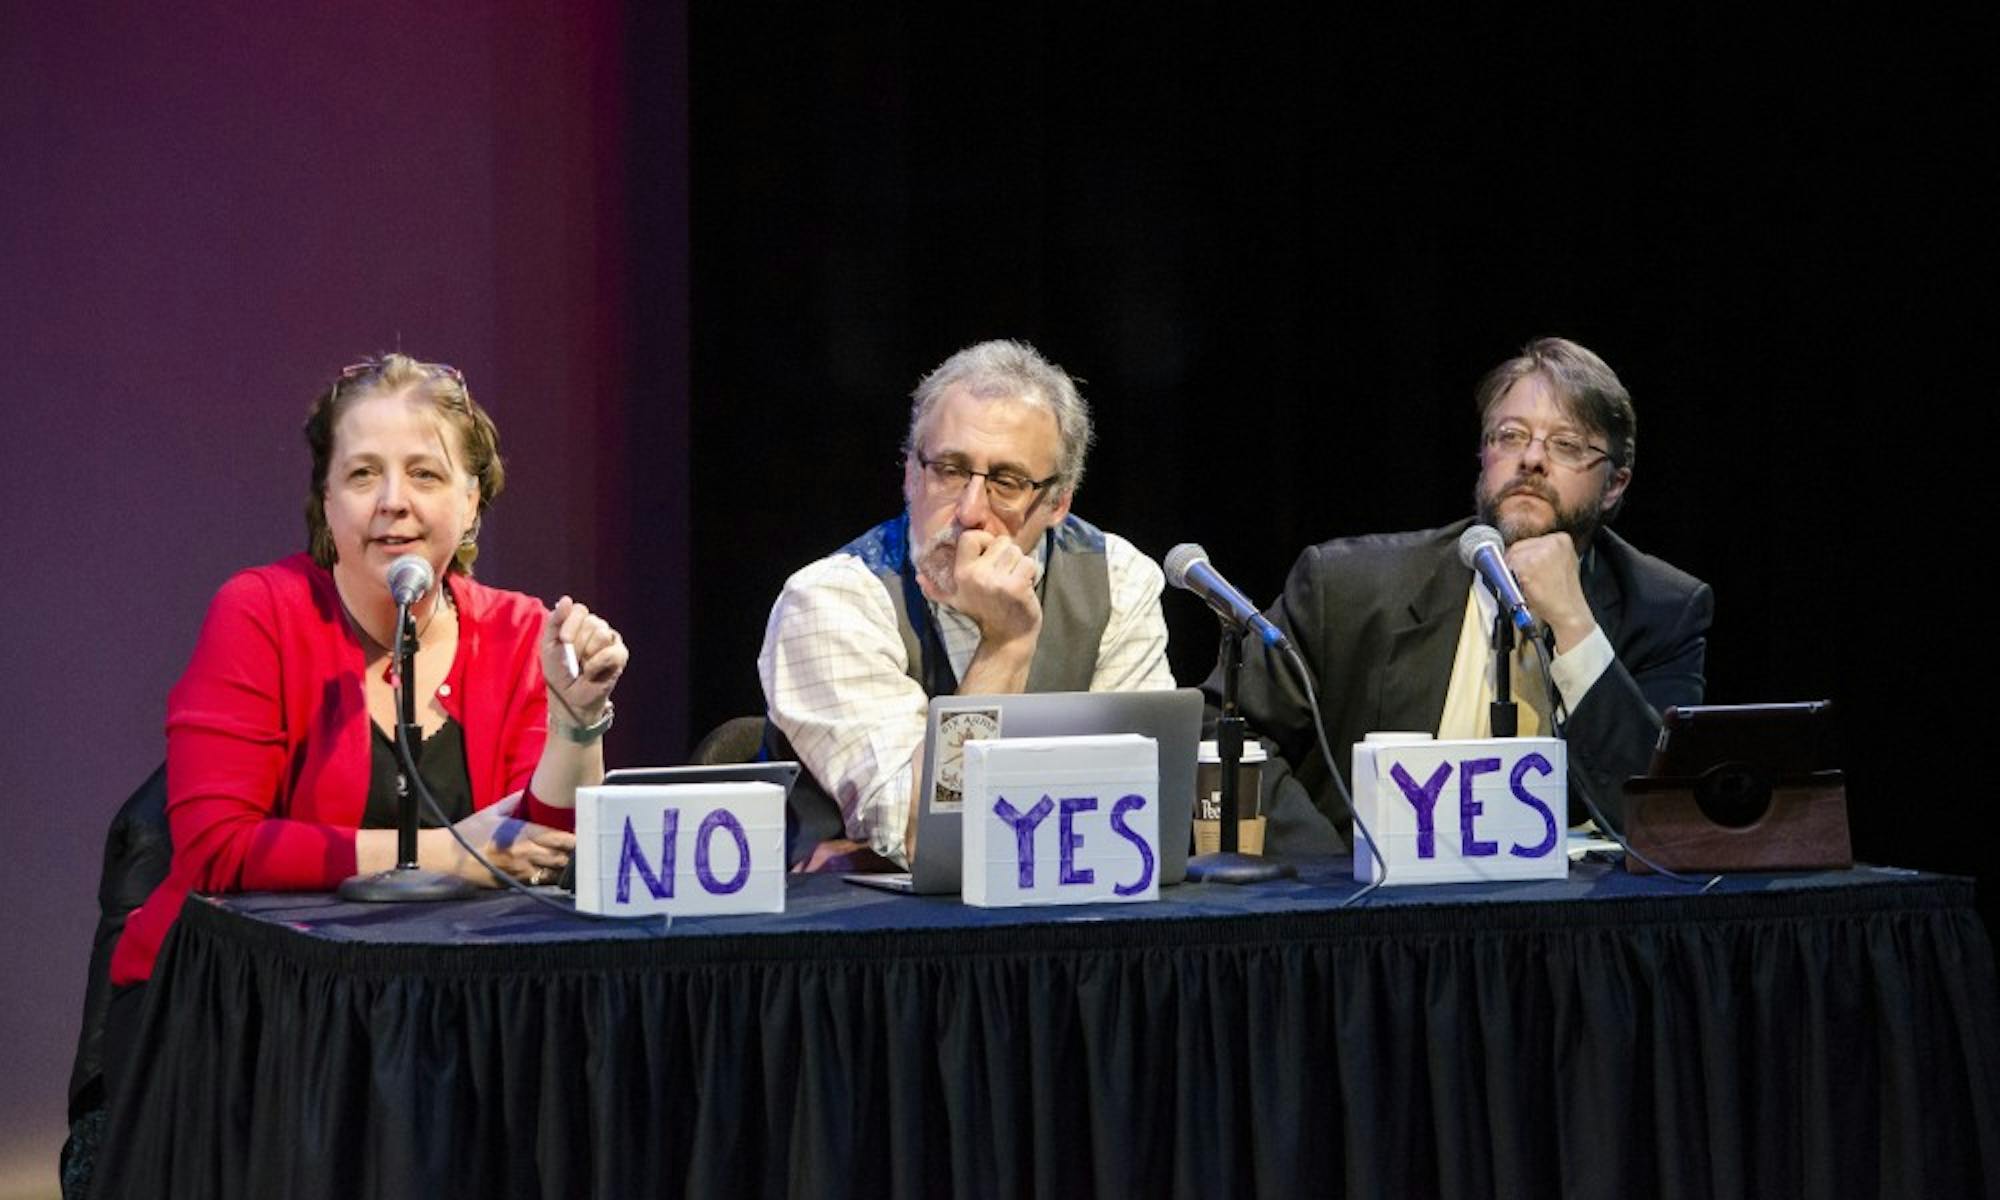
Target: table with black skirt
[[1830, 1033]]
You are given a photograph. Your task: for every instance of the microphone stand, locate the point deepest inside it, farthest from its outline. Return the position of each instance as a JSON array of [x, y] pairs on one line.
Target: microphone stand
[[1501, 714], [406, 880], [1226, 865]]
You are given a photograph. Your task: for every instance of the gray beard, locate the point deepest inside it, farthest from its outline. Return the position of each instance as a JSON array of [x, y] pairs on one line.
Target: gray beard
[[937, 559]]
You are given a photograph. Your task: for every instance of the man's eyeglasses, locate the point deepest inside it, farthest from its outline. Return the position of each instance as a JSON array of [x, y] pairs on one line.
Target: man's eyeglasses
[[1006, 491], [1564, 449]]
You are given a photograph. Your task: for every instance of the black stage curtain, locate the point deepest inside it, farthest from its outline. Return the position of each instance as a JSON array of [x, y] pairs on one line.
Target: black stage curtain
[[1824, 1042]]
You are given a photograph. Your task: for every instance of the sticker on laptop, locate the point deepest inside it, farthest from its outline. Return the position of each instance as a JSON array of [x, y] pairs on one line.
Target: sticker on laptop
[[954, 730]]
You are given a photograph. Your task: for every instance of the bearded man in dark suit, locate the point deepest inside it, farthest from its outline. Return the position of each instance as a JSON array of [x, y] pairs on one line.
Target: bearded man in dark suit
[[1396, 630]]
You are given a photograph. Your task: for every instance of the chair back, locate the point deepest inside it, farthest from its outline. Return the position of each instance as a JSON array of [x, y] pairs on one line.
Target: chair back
[[138, 849], [734, 741]]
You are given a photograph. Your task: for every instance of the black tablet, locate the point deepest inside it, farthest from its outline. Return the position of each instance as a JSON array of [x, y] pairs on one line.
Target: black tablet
[[1776, 740], [784, 774]]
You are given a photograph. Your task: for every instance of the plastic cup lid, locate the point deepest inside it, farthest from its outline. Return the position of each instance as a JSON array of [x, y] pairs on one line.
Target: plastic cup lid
[[1253, 752]]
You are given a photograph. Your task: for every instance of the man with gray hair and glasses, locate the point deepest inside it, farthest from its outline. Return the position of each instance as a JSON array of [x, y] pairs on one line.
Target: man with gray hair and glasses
[[986, 583], [1397, 630]]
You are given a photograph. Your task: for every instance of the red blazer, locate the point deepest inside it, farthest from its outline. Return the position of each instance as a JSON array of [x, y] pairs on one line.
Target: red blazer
[[268, 738]]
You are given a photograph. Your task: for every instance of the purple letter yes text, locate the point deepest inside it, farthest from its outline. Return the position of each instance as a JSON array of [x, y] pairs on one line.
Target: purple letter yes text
[[1424, 799], [1068, 840], [1023, 824]]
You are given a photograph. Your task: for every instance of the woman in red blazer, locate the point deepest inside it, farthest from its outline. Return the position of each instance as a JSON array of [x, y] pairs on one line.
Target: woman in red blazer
[[281, 772]]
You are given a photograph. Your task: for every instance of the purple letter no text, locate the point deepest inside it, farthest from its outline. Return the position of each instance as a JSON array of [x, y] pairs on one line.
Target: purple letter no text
[[721, 818], [631, 857]]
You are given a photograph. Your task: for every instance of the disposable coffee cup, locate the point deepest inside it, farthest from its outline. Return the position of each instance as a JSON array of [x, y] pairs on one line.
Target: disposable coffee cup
[[1249, 799]]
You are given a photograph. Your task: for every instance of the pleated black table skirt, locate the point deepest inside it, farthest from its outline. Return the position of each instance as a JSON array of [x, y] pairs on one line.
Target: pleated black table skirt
[[1820, 1035]]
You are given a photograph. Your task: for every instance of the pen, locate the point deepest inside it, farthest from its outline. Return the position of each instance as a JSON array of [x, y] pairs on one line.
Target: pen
[[569, 660]]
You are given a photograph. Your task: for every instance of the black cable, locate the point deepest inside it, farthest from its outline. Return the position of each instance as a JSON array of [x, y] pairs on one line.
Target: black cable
[[570, 909], [1558, 720], [436, 811], [1339, 785]]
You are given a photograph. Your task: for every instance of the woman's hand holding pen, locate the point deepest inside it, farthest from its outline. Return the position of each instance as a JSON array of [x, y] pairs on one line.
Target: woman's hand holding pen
[[582, 659]]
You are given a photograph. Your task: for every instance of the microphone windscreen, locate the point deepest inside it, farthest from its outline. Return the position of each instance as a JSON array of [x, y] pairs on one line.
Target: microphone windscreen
[[1179, 559], [409, 578], [1477, 538]]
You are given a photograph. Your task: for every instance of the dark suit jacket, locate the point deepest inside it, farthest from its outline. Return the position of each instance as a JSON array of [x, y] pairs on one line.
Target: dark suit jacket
[[1377, 620]]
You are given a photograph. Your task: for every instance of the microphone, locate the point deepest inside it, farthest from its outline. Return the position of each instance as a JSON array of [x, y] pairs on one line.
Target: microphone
[[1187, 567], [409, 578], [1482, 548]]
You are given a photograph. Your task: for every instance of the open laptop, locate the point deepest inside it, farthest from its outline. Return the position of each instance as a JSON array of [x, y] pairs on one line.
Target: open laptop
[[784, 774], [1171, 719]]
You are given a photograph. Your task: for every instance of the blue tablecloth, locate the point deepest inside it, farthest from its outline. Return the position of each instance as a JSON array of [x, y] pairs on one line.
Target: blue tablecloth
[[1824, 1033]]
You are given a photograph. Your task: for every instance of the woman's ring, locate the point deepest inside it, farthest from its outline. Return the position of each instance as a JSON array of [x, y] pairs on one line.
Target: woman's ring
[[541, 873]]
